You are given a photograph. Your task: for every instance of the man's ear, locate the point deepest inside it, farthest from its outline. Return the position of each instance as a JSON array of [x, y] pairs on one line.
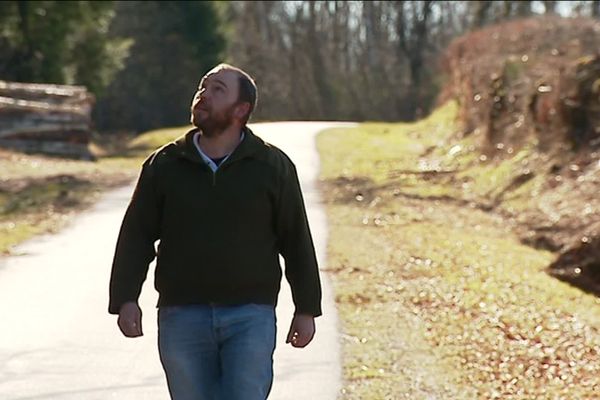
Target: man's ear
[[241, 110]]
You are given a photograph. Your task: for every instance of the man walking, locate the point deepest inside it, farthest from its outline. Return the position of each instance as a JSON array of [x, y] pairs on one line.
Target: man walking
[[222, 205]]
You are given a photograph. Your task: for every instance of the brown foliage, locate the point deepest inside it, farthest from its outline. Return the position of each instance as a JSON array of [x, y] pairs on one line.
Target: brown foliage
[[535, 76], [537, 80]]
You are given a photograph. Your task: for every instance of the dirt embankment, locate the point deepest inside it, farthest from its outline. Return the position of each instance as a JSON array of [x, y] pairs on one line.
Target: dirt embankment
[[534, 84]]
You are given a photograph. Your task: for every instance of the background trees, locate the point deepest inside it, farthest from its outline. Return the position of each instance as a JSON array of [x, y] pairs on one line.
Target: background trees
[[174, 44], [353, 60], [59, 42], [357, 60]]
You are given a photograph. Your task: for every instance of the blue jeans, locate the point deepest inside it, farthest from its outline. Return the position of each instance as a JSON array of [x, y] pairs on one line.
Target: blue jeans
[[217, 352]]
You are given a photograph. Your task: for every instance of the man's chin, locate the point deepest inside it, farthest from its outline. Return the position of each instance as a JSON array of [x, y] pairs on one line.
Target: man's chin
[[208, 130], [204, 126], [210, 127], [196, 120]]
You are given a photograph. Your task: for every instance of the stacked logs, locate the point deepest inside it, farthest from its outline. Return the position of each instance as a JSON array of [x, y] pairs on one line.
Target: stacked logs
[[44, 118]]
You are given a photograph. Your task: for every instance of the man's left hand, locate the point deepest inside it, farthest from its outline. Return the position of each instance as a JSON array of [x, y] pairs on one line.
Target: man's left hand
[[301, 331]]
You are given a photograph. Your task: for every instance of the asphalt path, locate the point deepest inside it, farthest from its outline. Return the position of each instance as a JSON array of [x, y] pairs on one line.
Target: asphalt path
[[58, 342]]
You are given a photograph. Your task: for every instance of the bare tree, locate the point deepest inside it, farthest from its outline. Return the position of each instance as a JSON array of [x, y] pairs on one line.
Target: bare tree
[[481, 13], [523, 8], [550, 6], [355, 59], [326, 106], [595, 5], [412, 38]]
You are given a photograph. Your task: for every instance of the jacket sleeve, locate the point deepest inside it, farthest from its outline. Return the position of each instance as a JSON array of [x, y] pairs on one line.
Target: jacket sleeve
[[296, 245], [135, 245]]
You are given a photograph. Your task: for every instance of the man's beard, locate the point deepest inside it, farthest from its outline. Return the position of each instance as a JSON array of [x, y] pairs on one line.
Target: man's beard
[[214, 123]]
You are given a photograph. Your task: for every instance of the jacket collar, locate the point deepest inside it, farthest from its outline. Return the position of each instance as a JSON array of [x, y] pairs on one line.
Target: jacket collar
[[186, 148]]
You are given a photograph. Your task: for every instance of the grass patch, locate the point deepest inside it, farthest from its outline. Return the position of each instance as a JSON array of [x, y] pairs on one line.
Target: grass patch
[[155, 139], [437, 297], [39, 194]]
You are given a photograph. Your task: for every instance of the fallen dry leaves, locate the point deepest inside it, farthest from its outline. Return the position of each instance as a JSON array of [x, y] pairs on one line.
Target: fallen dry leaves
[[441, 300]]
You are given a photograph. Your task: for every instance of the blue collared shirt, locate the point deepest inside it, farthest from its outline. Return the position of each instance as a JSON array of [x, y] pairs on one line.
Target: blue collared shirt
[[211, 164]]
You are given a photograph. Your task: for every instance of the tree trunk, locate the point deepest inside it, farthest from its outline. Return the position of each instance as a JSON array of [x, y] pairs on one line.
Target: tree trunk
[[550, 7], [416, 56], [482, 10], [508, 9], [523, 8], [320, 75], [25, 57], [595, 8]]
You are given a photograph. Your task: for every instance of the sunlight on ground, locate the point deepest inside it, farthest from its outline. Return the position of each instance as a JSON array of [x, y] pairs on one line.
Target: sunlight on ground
[[422, 272]]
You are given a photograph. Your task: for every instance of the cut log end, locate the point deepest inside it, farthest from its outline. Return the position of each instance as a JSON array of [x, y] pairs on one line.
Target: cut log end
[[46, 118]]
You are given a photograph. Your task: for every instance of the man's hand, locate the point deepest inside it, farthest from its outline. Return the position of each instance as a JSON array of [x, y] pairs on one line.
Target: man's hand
[[302, 330], [130, 320]]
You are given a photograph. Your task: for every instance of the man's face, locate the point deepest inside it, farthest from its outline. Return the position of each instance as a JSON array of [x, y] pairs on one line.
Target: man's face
[[215, 104]]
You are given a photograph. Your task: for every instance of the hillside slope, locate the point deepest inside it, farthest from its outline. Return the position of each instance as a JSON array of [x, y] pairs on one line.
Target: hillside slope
[[528, 93], [438, 296]]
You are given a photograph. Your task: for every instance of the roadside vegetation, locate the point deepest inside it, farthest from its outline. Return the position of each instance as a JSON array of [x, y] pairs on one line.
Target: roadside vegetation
[[39, 194], [438, 295]]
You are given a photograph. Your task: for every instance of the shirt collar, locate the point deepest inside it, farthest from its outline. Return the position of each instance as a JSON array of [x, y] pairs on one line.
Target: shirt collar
[[211, 164]]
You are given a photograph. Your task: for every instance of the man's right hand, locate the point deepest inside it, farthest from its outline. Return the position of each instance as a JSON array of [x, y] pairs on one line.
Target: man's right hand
[[130, 320]]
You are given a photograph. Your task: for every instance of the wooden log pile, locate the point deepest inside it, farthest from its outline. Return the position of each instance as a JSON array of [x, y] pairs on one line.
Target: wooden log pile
[[45, 118]]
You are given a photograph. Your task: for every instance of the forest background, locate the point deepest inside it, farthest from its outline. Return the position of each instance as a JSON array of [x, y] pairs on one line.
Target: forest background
[[313, 60]]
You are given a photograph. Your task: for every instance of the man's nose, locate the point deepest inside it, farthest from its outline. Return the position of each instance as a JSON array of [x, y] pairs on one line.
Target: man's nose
[[200, 94], [200, 98]]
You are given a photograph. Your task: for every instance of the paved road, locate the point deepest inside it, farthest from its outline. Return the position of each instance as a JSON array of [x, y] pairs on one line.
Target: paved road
[[57, 341]]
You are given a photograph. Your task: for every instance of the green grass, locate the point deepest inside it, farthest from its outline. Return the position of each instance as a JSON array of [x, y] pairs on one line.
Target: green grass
[[39, 194], [157, 138], [438, 298]]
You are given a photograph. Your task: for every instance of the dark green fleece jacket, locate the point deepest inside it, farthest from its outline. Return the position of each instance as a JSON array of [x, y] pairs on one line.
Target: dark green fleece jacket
[[219, 234]]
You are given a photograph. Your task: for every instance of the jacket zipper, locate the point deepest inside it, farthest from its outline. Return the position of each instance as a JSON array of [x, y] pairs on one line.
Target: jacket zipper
[[214, 173]]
